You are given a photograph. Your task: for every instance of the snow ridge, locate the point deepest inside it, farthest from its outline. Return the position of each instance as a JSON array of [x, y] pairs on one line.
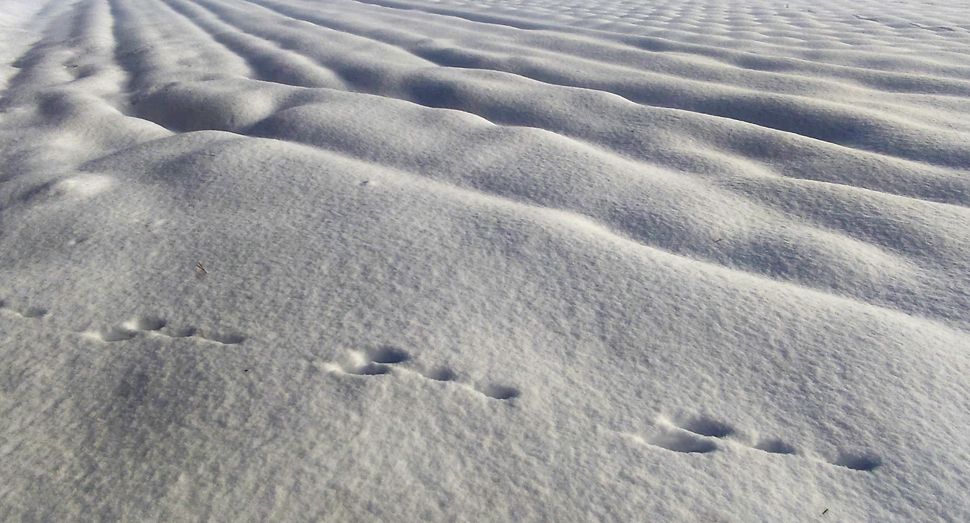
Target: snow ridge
[[415, 260]]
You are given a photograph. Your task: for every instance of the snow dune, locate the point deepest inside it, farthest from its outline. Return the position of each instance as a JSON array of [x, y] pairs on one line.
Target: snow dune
[[383, 260]]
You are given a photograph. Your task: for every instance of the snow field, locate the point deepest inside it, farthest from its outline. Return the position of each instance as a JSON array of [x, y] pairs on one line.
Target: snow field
[[484, 261]]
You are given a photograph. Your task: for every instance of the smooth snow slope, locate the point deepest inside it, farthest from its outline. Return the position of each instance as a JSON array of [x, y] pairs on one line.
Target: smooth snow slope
[[484, 261]]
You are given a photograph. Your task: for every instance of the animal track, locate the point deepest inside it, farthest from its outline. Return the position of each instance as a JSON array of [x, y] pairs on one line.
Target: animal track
[[132, 328], [679, 440], [184, 332], [154, 325], [29, 312], [499, 392], [220, 337], [377, 362], [147, 323], [371, 369], [697, 434], [370, 363], [112, 334], [389, 355], [706, 426], [441, 374], [775, 446], [34, 312], [692, 434], [864, 462]]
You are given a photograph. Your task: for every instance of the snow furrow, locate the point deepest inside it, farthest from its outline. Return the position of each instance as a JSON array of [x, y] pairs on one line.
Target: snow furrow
[[815, 161], [646, 214], [158, 48], [834, 123], [484, 260], [272, 63], [69, 81]]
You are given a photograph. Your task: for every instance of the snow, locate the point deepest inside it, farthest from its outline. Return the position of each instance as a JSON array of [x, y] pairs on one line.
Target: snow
[[416, 260]]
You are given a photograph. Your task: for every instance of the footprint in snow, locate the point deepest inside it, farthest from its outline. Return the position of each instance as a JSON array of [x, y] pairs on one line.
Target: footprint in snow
[[371, 362], [679, 440], [863, 462], [698, 434], [378, 362], [155, 325], [29, 312], [705, 426], [691, 434], [499, 392], [775, 446]]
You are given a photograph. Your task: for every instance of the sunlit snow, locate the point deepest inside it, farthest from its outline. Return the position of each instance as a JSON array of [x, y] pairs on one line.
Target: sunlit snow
[[490, 260]]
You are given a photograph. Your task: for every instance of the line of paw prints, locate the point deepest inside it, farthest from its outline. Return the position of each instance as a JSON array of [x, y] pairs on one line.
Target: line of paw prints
[[154, 326], [385, 360], [29, 312], [702, 434], [149, 325]]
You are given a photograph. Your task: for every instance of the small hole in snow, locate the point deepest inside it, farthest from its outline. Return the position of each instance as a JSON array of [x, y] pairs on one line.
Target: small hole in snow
[[859, 462], [388, 354], [500, 392]]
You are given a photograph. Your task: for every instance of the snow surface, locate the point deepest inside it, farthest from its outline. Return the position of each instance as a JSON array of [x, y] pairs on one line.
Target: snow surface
[[490, 260]]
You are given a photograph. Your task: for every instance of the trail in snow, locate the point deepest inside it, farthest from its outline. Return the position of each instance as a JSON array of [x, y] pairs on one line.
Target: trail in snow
[[484, 260]]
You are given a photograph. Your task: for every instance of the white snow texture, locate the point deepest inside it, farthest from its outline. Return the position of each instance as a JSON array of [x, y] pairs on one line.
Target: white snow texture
[[490, 260]]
